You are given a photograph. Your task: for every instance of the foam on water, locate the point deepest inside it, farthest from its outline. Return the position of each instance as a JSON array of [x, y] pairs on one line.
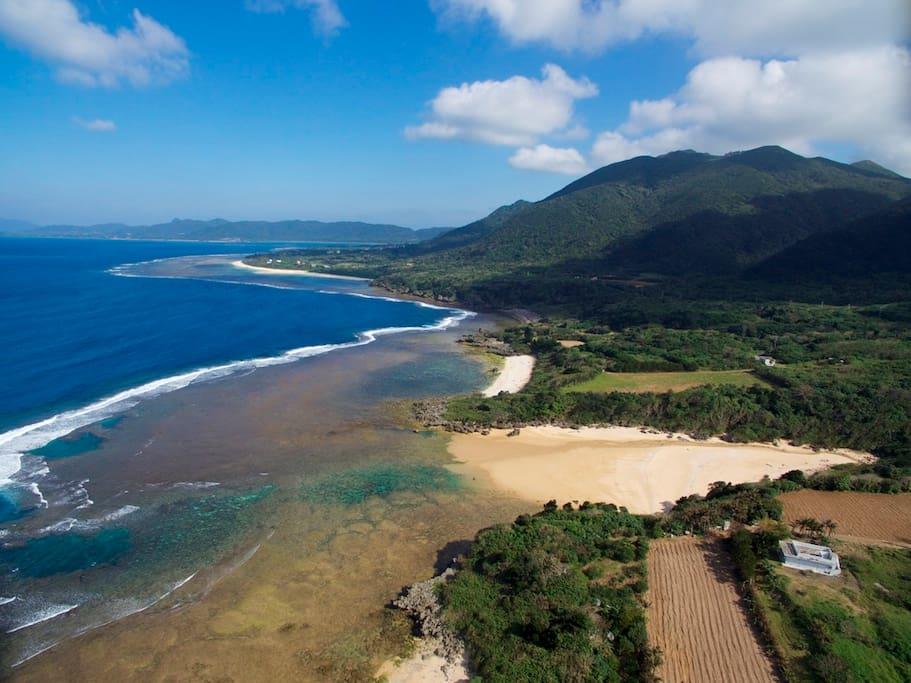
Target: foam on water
[[72, 524], [16, 442], [46, 614]]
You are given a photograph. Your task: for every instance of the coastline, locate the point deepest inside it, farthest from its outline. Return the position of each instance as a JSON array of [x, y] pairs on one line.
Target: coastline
[[20, 440], [642, 470], [288, 271], [512, 377], [274, 423]]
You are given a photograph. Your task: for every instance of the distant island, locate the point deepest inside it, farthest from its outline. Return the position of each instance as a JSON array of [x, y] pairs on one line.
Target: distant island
[[220, 230]]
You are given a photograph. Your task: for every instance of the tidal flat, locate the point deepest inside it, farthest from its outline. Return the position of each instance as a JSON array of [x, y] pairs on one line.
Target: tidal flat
[[288, 507]]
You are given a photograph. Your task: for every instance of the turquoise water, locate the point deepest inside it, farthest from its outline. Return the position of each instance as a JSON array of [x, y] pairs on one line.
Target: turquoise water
[[68, 446], [354, 486], [88, 341]]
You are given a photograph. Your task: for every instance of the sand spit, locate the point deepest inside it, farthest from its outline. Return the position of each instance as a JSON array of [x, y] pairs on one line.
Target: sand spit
[[289, 271], [644, 471], [515, 374]]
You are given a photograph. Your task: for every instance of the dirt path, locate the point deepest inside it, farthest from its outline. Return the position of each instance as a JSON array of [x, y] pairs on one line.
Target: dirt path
[[695, 616]]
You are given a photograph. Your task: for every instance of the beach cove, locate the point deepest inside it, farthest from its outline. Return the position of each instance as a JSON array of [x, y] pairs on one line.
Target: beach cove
[[643, 470]]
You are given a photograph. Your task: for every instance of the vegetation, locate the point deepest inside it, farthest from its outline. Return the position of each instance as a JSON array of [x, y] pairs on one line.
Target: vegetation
[[648, 222], [657, 382], [852, 628], [556, 596], [843, 377]]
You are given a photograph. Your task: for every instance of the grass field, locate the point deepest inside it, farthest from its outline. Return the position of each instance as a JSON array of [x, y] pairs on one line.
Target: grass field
[[659, 382], [695, 616], [869, 516], [855, 627]]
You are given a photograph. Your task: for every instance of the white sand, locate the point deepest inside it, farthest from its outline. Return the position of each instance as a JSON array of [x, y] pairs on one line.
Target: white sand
[[424, 667], [289, 271], [513, 376], [643, 471]]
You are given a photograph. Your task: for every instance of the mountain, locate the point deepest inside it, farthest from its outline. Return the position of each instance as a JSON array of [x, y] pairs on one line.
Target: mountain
[[221, 230], [681, 214], [876, 244], [12, 225]]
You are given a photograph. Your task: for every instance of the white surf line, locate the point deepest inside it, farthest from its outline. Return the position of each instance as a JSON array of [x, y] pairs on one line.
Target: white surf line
[[288, 271], [94, 627], [16, 442], [47, 615]]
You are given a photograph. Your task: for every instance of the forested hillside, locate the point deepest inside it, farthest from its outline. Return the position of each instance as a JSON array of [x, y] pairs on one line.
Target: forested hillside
[[684, 221]]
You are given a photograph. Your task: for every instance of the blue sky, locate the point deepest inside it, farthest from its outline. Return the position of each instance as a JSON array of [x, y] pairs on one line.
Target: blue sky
[[271, 109]]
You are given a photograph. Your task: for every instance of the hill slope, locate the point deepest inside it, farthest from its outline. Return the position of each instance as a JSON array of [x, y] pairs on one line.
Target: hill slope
[[681, 214], [880, 243]]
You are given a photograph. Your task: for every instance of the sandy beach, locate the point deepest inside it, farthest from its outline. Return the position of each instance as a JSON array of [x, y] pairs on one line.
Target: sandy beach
[[514, 375], [645, 472], [422, 667], [289, 271]]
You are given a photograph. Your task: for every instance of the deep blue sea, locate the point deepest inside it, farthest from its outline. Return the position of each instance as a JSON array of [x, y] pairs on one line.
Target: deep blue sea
[[90, 327], [91, 332]]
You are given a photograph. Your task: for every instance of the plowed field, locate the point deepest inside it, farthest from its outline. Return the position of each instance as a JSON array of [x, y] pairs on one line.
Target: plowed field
[[695, 616], [873, 516]]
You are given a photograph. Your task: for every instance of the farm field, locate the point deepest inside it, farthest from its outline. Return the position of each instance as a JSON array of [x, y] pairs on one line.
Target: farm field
[[868, 516], [659, 382], [694, 616]]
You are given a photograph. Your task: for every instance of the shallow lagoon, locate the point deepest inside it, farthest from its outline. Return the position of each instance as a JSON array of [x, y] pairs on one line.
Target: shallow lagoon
[[265, 517]]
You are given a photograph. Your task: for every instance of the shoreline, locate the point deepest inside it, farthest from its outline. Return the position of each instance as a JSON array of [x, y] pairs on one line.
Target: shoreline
[[643, 470], [288, 271], [512, 377]]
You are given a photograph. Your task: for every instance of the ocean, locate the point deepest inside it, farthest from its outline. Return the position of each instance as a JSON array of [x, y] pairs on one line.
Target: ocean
[[96, 332]]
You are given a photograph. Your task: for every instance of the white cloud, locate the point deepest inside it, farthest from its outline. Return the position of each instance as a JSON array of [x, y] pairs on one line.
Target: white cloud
[[551, 159], [96, 125], [88, 54], [717, 27], [857, 98], [517, 111], [327, 18]]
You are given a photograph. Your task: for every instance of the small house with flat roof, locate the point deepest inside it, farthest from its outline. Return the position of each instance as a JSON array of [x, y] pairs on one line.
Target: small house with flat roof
[[809, 557]]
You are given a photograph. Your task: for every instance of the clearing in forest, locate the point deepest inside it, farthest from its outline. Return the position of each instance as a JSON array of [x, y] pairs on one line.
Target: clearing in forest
[[865, 516], [695, 616], [659, 382]]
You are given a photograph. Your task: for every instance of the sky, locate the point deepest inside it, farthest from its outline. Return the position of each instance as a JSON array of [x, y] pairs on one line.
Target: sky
[[419, 112]]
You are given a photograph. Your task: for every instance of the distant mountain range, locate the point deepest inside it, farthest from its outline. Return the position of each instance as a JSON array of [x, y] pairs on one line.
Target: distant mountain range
[[223, 230]]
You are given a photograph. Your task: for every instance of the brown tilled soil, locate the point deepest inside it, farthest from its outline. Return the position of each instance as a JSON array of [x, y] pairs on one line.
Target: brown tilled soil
[[696, 618], [862, 516]]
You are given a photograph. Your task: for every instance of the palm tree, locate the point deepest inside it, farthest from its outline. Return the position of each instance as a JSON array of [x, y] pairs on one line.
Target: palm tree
[[830, 527]]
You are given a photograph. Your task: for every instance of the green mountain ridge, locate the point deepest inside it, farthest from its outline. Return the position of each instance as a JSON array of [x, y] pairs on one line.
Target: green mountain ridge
[[682, 214]]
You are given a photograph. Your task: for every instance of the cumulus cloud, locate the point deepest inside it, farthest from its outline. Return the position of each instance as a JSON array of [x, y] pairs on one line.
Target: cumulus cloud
[[859, 98], [96, 125], [542, 157], [327, 18], [88, 54], [744, 27], [516, 111]]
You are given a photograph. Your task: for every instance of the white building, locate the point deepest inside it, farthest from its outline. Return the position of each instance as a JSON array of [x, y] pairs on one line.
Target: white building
[[809, 557]]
